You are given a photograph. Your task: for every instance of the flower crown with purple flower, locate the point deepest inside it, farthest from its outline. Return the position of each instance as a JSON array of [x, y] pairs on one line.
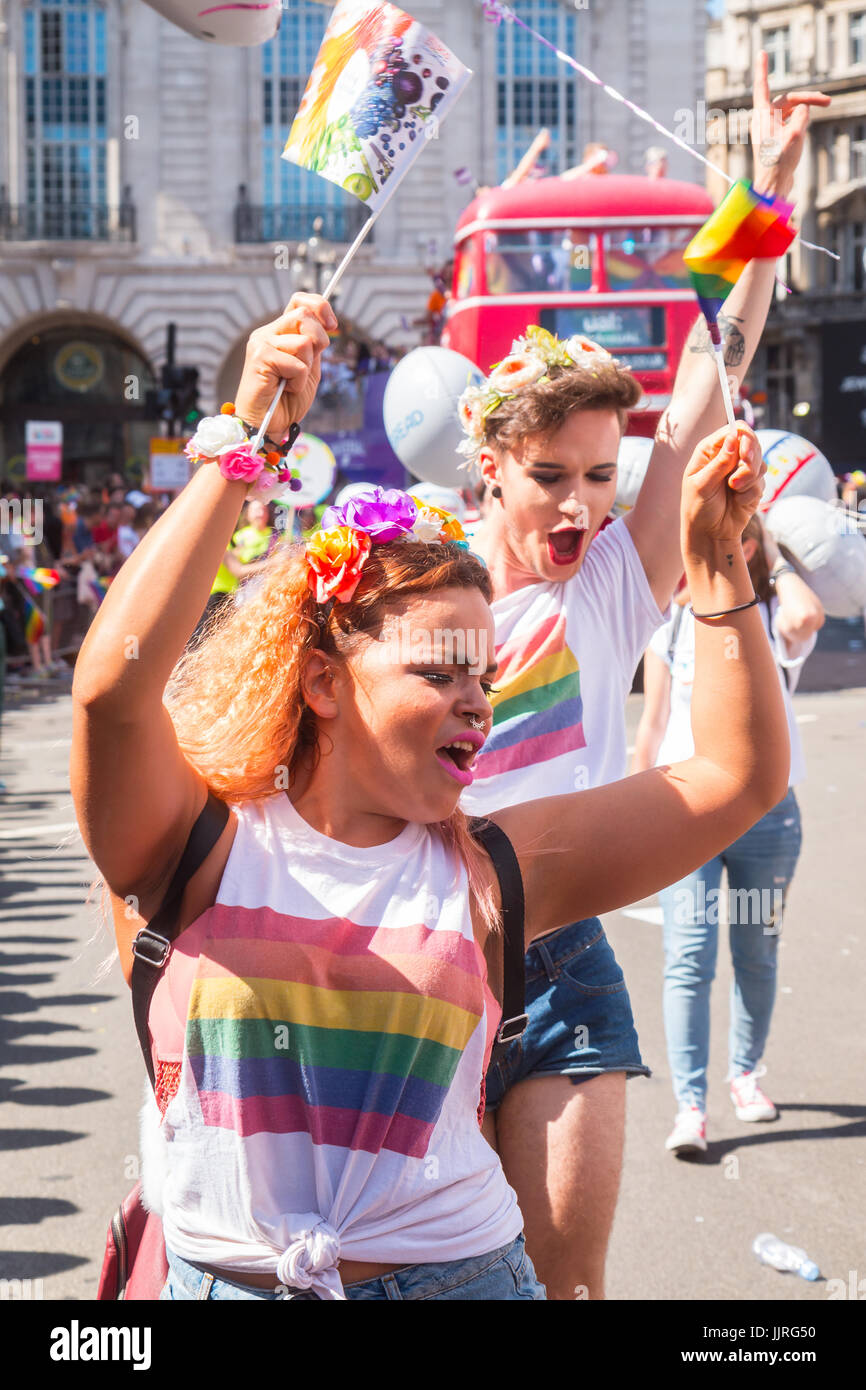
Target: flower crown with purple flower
[[337, 552], [528, 363]]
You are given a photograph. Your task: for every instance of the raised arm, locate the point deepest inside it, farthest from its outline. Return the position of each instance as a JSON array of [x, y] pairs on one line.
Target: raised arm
[[800, 613], [656, 712], [596, 850], [696, 409], [135, 795]]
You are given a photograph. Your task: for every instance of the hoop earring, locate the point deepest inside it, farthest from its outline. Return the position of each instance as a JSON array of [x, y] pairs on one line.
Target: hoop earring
[[496, 491]]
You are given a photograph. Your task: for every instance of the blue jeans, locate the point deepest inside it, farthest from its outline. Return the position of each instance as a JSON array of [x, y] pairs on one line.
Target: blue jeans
[[760, 866], [580, 1019], [503, 1274]]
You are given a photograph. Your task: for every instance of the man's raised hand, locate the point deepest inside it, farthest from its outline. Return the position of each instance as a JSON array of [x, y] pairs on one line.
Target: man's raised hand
[[778, 130]]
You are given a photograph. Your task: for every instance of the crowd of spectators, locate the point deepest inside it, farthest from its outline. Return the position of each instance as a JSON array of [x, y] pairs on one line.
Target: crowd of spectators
[[81, 534]]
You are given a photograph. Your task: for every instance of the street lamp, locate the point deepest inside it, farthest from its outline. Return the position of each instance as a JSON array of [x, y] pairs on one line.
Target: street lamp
[[314, 261]]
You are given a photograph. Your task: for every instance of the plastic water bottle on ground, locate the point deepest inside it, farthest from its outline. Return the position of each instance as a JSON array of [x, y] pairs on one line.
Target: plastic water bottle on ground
[[788, 1258]]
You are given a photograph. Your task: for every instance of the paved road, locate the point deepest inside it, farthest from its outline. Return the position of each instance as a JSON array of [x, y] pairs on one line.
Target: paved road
[[73, 1076]]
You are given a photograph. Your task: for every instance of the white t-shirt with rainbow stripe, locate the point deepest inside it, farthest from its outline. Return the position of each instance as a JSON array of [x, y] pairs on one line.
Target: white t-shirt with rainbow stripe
[[333, 1021], [567, 656]]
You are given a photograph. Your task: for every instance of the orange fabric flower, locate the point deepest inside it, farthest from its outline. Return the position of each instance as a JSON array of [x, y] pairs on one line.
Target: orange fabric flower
[[334, 562], [451, 528]]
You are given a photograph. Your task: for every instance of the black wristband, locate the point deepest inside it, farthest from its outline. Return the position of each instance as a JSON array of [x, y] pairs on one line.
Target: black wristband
[[740, 608], [280, 447], [785, 568]]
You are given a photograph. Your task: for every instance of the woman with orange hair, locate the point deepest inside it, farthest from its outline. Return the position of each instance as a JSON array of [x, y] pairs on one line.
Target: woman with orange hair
[[320, 1031]]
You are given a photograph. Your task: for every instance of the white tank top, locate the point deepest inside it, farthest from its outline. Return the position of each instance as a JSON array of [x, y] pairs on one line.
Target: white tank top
[[337, 1023]]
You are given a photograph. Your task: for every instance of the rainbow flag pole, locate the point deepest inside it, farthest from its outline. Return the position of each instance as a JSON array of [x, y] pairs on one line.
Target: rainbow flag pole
[[745, 226], [381, 85]]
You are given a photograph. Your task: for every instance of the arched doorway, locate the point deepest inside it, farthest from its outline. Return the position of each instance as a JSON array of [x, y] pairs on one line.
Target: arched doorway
[[95, 383]]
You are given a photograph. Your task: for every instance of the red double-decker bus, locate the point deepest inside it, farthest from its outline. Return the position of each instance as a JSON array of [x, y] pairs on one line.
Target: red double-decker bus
[[600, 255]]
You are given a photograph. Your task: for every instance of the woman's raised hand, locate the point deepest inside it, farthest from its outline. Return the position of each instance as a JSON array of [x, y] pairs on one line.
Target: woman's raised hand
[[290, 350], [722, 487]]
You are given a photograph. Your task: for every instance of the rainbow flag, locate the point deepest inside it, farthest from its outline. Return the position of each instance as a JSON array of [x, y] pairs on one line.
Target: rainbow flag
[[744, 227], [37, 579], [99, 588], [538, 708], [34, 623], [375, 1021], [379, 87]]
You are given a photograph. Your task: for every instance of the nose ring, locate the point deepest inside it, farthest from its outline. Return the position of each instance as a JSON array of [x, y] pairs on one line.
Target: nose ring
[[475, 723]]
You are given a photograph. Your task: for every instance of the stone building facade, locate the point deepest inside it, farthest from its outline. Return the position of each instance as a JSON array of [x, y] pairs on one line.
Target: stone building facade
[[813, 355], [140, 184]]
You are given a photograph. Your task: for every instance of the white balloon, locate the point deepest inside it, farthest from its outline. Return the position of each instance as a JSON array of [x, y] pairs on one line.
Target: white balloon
[[351, 490], [420, 413], [241, 25], [795, 468], [632, 464], [829, 551], [448, 498]]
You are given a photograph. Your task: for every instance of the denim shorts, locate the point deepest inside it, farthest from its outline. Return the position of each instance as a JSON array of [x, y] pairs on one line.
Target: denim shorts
[[580, 1019], [503, 1274]]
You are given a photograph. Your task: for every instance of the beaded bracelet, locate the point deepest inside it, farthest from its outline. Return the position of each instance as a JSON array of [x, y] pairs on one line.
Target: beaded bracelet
[[227, 439], [740, 608]]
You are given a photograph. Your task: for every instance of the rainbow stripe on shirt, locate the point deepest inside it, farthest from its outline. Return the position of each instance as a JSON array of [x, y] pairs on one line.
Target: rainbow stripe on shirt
[[538, 709], [351, 1034]]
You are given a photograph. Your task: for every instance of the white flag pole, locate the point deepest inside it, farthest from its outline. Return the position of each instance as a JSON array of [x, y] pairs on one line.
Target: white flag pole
[[333, 283], [719, 354]]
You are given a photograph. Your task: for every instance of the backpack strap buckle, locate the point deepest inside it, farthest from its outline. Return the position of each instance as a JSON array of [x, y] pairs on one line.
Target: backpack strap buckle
[[152, 948], [512, 1028]]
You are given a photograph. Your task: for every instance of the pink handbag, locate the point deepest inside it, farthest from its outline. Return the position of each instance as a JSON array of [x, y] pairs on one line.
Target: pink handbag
[[135, 1265]]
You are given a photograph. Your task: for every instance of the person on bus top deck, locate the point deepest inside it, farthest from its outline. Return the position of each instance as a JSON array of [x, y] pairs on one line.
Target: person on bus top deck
[[574, 610], [347, 1160]]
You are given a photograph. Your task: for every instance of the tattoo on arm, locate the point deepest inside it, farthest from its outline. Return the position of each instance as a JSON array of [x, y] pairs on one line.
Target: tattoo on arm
[[732, 338], [769, 151], [730, 560]]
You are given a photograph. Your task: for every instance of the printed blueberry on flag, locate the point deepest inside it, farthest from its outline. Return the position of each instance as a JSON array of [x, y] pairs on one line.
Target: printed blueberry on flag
[[745, 226], [379, 81]]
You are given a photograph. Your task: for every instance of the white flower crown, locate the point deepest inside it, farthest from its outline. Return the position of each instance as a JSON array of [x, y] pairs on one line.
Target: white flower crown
[[529, 362]]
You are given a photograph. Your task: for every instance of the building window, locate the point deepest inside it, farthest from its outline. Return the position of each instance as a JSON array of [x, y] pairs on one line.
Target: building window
[[857, 37], [777, 43], [781, 383], [535, 89], [858, 152], [65, 117], [294, 197], [835, 243], [858, 250]]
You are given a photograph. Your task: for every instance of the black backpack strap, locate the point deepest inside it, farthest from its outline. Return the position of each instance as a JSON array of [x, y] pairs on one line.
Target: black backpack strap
[[152, 946], [501, 851]]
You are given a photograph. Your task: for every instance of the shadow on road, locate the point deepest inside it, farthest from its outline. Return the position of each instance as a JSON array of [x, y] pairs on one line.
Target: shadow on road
[[777, 1133]]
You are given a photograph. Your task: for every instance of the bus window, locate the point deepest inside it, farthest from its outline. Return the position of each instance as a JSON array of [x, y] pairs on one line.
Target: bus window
[[647, 258], [638, 326], [464, 279], [531, 262]]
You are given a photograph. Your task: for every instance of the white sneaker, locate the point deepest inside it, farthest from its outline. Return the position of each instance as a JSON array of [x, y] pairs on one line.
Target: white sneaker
[[689, 1134], [749, 1101]]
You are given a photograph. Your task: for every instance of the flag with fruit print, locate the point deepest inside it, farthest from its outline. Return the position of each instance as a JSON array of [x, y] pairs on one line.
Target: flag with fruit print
[[380, 86]]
